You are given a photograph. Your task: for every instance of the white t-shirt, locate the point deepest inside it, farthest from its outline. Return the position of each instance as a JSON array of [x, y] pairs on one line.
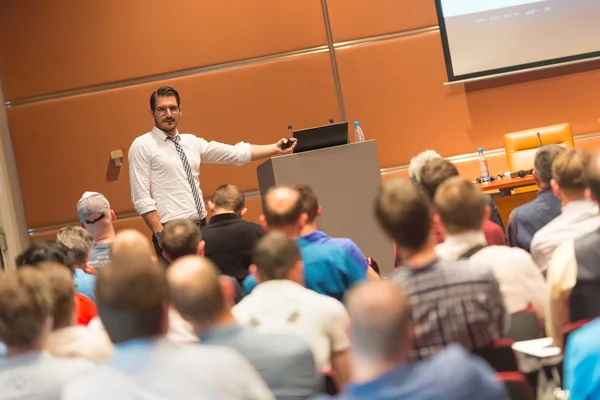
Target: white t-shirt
[[284, 306], [80, 341]]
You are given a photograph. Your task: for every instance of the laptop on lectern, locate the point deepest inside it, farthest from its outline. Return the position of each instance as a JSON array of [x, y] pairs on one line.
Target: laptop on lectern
[[321, 137]]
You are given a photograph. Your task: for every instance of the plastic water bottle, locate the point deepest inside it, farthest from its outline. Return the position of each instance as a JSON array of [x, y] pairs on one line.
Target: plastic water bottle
[[359, 136], [484, 170]]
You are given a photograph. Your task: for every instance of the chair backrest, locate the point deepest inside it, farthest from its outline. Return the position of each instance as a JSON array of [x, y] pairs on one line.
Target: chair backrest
[[500, 355], [570, 328], [524, 326], [521, 146], [331, 383], [516, 385]]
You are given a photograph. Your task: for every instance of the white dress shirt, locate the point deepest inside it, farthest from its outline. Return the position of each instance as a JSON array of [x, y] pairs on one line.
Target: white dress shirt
[[80, 341], [158, 179], [521, 281], [283, 306], [576, 219]]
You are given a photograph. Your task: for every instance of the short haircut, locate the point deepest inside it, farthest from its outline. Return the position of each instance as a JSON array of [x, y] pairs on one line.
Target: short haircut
[[417, 162], [163, 91], [275, 255], [181, 237], [282, 218], [544, 157], [380, 320], [310, 202], [434, 173], [403, 213], [25, 306], [593, 176], [229, 197], [78, 242], [460, 205], [45, 250], [63, 292], [131, 300], [569, 170]]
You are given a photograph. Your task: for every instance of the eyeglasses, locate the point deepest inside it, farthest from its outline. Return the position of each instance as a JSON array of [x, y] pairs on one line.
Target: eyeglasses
[[163, 110]]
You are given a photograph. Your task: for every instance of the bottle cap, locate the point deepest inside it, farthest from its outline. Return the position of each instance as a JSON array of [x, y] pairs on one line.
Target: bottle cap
[[356, 123], [480, 150]]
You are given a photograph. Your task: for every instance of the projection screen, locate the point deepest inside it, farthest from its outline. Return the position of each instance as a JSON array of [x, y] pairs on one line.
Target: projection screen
[[488, 37]]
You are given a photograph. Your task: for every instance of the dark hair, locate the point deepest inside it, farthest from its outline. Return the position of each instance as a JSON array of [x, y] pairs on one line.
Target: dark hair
[[281, 218], [544, 158], [403, 213], [569, 170], [229, 197], [275, 255], [25, 306], [593, 176], [460, 205], [310, 202], [434, 173], [181, 237], [131, 300], [45, 250], [163, 91]]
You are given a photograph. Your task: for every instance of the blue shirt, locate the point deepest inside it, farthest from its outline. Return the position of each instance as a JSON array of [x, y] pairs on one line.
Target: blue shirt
[[344, 243], [582, 362], [452, 374], [284, 361], [84, 283], [328, 270]]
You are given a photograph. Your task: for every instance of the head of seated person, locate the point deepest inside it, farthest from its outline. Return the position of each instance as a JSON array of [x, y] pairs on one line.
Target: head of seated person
[[277, 257], [417, 163], [282, 211], [569, 181], [310, 206], [96, 216], [434, 173], [460, 206], [542, 164], [45, 250], [78, 243], [228, 199], [182, 237]]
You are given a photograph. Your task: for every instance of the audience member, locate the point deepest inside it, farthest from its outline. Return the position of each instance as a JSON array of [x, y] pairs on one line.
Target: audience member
[[526, 220], [381, 330], [282, 304], [133, 301], [579, 215], [327, 269], [79, 243], [29, 372], [582, 363], [310, 232], [453, 301], [50, 250], [67, 339], [284, 361], [96, 216], [229, 239], [436, 172], [574, 270], [462, 210]]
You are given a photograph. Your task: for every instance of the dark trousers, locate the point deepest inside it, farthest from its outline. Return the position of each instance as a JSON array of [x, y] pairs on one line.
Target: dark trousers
[[201, 223]]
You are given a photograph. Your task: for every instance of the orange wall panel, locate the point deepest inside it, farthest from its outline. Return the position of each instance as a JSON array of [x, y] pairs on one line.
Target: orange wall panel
[[353, 19], [396, 89], [62, 146], [53, 46]]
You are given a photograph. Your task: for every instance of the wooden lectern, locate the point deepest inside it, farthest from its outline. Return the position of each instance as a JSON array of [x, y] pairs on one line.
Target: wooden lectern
[[346, 179]]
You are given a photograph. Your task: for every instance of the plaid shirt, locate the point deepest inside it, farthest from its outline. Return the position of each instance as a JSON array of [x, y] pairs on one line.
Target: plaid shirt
[[452, 302]]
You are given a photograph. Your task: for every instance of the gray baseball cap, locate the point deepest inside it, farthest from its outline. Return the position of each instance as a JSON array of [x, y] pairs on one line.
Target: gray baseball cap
[[92, 207]]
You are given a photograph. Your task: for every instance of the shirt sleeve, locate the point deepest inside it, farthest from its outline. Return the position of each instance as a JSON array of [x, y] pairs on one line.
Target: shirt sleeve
[[220, 153], [354, 273], [511, 230], [338, 326], [534, 286], [561, 278], [139, 179], [357, 255], [582, 368]]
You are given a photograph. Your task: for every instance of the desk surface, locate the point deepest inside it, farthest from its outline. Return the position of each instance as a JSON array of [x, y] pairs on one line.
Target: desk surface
[[506, 183]]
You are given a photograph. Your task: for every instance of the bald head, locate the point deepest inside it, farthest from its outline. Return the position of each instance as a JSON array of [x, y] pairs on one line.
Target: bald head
[[131, 246], [381, 318], [196, 290], [282, 207]]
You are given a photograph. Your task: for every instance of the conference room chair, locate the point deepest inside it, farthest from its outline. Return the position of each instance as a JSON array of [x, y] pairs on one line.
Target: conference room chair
[[516, 385], [500, 355], [570, 328]]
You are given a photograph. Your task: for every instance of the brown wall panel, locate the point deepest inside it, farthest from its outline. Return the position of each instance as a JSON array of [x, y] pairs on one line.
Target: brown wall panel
[[353, 19], [62, 146], [395, 88], [53, 46]]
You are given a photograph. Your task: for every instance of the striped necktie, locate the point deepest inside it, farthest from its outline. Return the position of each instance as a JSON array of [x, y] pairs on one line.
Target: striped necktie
[[188, 172]]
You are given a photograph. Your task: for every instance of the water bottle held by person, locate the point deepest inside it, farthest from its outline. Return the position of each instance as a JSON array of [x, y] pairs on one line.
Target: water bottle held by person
[[484, 170], [359, 136]]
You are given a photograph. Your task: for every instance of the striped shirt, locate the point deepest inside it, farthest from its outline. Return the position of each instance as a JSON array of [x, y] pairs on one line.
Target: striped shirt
[[452, 302]]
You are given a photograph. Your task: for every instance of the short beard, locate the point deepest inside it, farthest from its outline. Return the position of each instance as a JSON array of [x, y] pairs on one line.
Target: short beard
[[158, 125]]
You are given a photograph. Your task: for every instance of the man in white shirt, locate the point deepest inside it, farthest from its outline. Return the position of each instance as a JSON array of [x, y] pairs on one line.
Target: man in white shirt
[[164, 166], [579, 215], [462, 210], [29, 372], [133, 302], [96, 217], [280, 303]]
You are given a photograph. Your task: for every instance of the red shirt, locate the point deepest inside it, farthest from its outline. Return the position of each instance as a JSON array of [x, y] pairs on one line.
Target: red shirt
[[85, 309]]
